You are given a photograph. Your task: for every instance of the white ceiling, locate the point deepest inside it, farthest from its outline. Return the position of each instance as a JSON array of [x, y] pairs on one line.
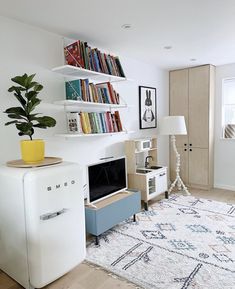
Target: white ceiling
[[201, 29]]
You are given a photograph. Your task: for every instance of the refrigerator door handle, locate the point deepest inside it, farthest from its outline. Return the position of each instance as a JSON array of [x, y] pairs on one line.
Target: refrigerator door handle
[[48, 216]]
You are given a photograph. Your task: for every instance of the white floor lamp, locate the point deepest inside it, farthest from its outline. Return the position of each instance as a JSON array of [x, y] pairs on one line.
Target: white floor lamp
[[174, 125]]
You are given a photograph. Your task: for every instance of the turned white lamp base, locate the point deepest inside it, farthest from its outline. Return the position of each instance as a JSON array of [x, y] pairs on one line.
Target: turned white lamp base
[[178, 181]]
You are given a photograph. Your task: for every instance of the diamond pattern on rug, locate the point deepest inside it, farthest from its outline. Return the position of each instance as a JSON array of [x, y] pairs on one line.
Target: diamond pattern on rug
[[181, 243], [226, 240], [165, 227], [222, 258], [198, 229], [153, 234], [219, 248]]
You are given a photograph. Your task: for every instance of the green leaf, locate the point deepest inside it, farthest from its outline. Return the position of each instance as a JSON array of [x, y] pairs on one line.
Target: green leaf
[[21, 80], [40, 125], [17, 89], [16, 110], [38, 87], [29, 95], [20, 99], [33, 116], [11, 122], [32, 104], [32, 84], [24, 127], [29, 133], [16, 116], [29, 79], [47, 121]]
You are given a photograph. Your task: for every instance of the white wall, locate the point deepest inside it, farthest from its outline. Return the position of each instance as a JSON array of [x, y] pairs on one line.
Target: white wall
[[224, 168], [29, 49]]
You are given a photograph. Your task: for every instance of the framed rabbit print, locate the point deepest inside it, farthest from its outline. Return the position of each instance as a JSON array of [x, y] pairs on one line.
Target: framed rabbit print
[[147, 107]]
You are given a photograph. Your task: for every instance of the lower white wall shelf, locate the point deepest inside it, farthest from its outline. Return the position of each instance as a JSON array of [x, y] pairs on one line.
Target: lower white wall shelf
[[92, 134]]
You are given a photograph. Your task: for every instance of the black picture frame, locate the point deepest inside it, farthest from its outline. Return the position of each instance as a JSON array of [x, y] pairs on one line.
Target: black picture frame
[[147, 107]]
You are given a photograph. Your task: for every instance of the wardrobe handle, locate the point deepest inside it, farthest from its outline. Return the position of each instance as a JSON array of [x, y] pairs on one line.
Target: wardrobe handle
[[190, 144], [190, 150], [185, 144], [185, 150]]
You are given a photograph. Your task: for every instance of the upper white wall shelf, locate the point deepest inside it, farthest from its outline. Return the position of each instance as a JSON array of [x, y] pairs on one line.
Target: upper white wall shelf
[[73, 71]]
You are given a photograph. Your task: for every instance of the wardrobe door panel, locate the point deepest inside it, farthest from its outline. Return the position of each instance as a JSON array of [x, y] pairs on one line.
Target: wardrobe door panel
[[198, 167], [179, 99], [199, 106]]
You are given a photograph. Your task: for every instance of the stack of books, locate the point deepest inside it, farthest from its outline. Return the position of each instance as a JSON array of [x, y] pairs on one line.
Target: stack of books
[[82, 90], [94, 122], [81, 55]]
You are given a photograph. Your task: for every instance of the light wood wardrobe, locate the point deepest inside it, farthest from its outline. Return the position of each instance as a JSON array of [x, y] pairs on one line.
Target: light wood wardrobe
[[192, 95]]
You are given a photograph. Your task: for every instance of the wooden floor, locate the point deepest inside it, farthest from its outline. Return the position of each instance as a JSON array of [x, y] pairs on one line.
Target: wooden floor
[[86, 277]]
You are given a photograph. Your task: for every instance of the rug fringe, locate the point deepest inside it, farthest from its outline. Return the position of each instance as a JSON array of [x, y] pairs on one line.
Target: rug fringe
[[111, 274]]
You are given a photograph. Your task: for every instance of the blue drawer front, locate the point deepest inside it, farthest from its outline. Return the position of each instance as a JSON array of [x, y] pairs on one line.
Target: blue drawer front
[[101, 220]]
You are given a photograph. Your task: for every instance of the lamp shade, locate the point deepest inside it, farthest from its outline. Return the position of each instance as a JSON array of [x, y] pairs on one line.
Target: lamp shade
[[172, 125]]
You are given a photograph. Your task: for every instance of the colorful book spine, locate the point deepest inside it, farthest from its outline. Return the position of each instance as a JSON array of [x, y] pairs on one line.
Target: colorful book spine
[[115, 128], [87, 122], [118, 120], [98, 125], [104, 122], [111, 93], [121, 72], [95, 128], [104, 64], [107, 122], [96, 58], [99, 116], [110, 121], [108, 63], [92, 125], [85, 55], [84, 123]]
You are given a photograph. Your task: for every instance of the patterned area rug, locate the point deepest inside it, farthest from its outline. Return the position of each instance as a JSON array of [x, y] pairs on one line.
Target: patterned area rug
[[180, 243]]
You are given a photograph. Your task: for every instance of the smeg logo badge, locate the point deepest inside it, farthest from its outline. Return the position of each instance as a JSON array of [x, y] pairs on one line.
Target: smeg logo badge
[[58, 186]]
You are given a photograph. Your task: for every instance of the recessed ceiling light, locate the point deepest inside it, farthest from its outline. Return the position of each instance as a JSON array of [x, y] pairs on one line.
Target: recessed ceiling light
[[193, 59], [126, 26], [168, 47]]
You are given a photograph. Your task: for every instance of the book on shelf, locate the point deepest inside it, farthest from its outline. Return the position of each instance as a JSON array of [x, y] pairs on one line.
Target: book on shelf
[[73, 90], [85, 123], [81, 55], [118, 120], [74, 54], [93, 122], [82, 90], [74, 122], [108, 120]]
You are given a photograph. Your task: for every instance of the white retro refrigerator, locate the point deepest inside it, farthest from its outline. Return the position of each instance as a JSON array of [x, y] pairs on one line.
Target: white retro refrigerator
[[42, 230]]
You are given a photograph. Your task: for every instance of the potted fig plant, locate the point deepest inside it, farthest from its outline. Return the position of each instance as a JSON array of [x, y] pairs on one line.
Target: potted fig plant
[[26, 92]]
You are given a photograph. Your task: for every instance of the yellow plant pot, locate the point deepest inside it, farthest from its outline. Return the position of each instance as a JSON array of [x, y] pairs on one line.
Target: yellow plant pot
[[32, 151]]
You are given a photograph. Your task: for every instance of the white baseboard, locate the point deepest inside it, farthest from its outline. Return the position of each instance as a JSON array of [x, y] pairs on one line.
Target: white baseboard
[[224, 187]]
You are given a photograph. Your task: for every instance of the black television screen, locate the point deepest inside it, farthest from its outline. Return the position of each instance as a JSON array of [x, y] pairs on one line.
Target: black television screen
[[106, 178]]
